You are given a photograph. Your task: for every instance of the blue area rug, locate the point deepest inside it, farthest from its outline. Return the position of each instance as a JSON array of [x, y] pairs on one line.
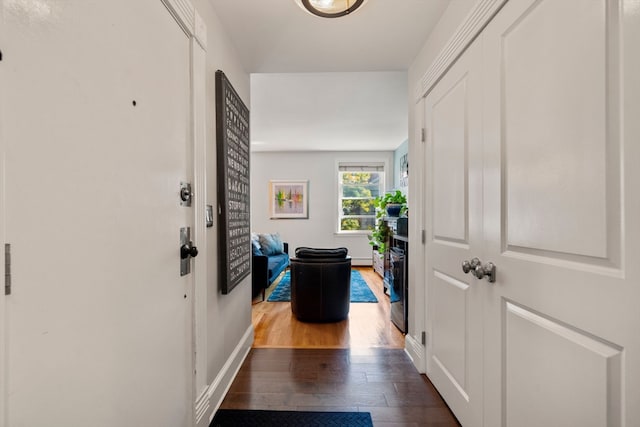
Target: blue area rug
[[360, 291], [261, 418]]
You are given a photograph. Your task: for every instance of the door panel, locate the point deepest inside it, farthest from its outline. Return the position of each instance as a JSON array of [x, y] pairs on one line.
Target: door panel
[[558, 364], [454, 207], [554, 122], [558, 321], [450, 325], [450, 187], [97, 114]]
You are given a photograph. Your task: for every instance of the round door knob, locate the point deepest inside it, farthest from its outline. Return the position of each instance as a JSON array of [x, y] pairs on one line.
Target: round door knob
[[488, 270], [468, 266], [188, 250]]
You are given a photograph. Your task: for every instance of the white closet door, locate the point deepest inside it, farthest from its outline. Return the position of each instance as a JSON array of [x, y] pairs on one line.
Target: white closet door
[[97, 127], [454, 217], [561, 214]]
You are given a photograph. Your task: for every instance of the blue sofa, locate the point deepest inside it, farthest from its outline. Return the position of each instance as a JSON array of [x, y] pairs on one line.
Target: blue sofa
[[266, 268]]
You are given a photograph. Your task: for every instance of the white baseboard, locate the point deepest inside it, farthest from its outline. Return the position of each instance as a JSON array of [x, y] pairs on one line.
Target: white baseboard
[[362, 262], [209, 401], [416, 352]]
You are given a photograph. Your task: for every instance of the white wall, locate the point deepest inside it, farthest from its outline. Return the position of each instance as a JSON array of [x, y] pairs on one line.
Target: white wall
[[320, 168], [229, 316], [448, 23]]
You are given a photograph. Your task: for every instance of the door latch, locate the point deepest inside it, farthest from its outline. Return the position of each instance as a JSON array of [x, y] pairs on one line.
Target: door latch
[[187, 251], [186, 195], [7, 268]]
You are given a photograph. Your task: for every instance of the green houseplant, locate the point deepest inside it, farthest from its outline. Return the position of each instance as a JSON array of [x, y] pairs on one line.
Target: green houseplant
[[381, 233], [392, 203]]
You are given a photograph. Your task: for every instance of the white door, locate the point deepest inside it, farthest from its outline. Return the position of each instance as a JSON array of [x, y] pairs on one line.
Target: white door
[[96, 129], [562, 214], [454, 213]]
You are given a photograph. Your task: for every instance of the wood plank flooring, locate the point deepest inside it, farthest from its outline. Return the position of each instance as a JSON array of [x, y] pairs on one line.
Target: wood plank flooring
[[383, 382], [355, 365], [368, 325]]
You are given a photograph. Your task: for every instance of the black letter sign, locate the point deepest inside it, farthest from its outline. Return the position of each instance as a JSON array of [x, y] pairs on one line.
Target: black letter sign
[[232, 135]]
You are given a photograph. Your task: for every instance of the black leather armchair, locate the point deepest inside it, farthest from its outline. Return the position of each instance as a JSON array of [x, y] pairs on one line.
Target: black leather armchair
[[320, 284]]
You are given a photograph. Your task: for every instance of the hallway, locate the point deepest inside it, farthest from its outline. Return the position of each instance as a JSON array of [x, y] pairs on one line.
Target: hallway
[[358, 364]]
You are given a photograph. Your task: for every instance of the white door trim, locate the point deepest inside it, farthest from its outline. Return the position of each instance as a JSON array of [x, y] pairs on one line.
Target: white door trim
[[189, 19], [479, 16], [414, 343], [195, 28], [3, 360], [198, 87]]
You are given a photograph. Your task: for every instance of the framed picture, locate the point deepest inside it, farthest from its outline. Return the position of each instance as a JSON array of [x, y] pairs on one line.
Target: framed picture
[[404, 170], [232, 149], [289, 199]]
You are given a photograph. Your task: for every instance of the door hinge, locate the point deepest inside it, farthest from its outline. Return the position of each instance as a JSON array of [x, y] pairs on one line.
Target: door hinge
[[423, 134], [7, 269], [424, 338], [423, 237]]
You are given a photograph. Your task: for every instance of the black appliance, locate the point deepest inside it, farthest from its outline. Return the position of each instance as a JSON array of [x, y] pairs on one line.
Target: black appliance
[[402, 226], [398, 282]]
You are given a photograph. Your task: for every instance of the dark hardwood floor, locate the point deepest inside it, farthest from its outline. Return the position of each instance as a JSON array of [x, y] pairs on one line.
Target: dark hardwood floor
[[383, 382], [358, 364]]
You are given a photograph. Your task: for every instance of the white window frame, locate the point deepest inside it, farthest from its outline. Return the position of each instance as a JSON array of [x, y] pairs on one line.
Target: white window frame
[[356, 166]]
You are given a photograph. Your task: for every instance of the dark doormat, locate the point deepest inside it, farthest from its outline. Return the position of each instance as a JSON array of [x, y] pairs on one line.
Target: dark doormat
[[245, 418]]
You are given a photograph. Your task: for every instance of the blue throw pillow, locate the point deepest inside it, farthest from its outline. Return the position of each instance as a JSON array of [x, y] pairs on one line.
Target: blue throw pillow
[[255, 247], [255, 244], [271, 244]]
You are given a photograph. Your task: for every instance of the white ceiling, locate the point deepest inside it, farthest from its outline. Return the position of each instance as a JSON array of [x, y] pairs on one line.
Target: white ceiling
[[328, 111], [277, 36]]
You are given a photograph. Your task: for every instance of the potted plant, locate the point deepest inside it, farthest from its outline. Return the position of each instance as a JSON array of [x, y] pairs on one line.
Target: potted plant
[[380, 236], [393, 203], [381, 232]]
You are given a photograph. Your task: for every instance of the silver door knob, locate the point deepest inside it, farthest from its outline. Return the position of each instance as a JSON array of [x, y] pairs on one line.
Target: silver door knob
[[488, 270], [478, 270], [468, 266]]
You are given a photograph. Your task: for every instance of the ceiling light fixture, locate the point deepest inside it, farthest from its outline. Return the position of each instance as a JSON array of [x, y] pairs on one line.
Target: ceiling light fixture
[[331, 8]]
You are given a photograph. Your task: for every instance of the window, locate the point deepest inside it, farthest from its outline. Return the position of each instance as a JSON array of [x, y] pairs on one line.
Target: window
[[358, 186]]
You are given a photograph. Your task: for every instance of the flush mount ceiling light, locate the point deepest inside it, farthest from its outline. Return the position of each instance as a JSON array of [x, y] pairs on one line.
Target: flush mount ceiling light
[[330, 8]]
